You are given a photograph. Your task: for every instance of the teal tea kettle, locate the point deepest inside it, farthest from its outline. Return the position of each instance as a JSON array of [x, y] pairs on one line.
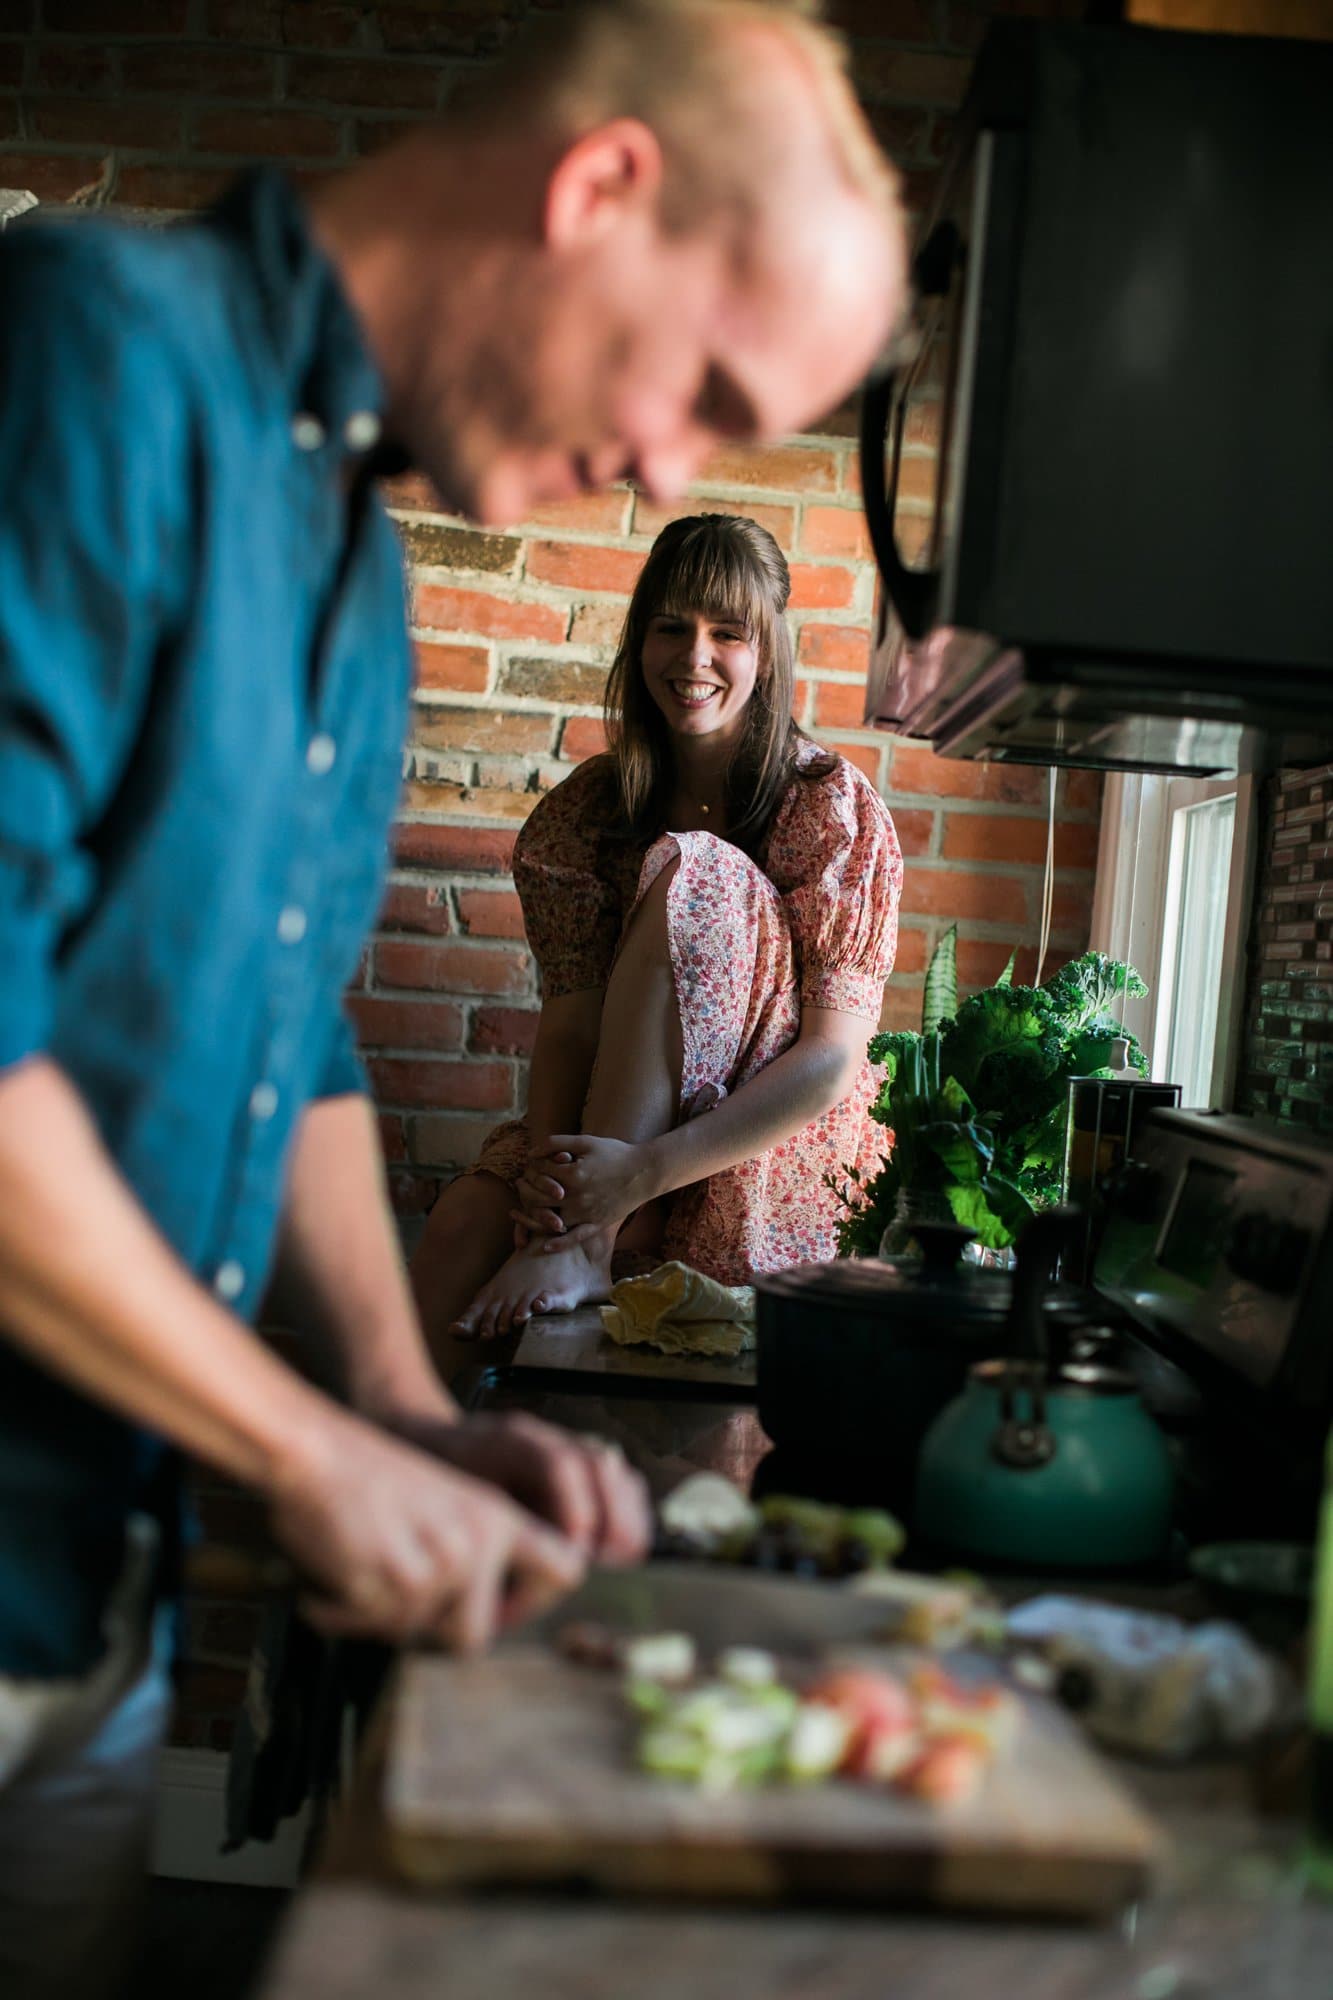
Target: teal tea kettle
[[1053, 1465]]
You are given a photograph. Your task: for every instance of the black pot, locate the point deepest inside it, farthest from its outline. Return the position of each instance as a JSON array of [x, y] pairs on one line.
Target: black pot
[[856, 1359]]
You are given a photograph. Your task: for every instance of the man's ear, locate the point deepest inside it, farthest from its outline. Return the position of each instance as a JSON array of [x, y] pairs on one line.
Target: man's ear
[[597, 179]]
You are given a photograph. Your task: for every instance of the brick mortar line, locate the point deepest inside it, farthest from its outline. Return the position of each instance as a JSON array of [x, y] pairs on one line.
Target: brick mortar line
[[449, 699], [440, 1056], [452, 701], [856, 566], [893, 796], [187, 161], [1072, 875], [576, 594], [839, 502]]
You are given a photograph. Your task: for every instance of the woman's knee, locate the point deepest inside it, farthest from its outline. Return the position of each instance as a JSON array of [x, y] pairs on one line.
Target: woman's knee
[[734, 880], [649, 923], [472, 1204]]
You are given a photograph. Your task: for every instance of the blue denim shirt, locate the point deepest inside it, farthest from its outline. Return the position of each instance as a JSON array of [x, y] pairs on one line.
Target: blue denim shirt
[[204, 671]]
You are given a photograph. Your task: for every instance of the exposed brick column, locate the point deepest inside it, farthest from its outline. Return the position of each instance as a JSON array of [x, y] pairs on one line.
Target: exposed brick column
[[1288, 1060]]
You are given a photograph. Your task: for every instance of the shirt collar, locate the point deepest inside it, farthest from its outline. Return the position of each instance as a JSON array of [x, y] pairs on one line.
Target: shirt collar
[[315, 336]]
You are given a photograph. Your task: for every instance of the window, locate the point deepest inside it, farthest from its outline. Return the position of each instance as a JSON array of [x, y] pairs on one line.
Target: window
[[1173, 887]]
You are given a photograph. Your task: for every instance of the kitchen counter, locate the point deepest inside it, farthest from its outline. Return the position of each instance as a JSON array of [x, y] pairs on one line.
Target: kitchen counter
[[1225, 1922], [1226, 1919]]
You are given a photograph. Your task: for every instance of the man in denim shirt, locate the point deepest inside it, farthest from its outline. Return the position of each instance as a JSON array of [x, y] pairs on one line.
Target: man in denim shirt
[[658, 227]]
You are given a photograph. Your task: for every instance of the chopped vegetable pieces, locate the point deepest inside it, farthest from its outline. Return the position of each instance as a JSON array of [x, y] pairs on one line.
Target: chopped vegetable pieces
[[817, 1742], [747, 1666], [663, 1656], [706, 1517], [927, 1735]]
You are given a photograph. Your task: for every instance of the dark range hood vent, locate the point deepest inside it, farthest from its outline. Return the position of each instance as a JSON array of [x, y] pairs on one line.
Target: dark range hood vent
[[1128, 281]]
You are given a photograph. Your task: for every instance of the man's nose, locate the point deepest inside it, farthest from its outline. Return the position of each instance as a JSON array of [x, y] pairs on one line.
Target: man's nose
[[665, 470]]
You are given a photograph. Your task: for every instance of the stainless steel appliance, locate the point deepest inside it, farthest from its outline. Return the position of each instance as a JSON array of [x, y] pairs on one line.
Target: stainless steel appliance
[[1127, 287], [1218, 1252]]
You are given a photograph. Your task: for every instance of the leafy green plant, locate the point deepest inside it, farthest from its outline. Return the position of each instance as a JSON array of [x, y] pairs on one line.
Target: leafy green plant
[[976, 1101]]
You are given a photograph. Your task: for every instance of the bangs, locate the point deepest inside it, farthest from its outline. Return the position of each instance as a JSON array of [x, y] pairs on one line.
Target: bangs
[[720, 578], [727, 569]]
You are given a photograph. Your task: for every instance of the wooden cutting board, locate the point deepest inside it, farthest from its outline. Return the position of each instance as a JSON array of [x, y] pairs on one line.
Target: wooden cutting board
[[575, 1343], [517, 1769]]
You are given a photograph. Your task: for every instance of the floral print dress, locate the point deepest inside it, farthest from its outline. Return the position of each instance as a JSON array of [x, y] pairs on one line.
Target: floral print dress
[[813, 923]]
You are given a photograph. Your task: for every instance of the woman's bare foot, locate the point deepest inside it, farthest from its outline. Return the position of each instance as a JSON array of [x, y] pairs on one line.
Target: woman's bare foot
[[529, 1282]]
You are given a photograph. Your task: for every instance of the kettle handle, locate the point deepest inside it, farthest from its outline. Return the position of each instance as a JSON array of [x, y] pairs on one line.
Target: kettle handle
[[1035, 1253]]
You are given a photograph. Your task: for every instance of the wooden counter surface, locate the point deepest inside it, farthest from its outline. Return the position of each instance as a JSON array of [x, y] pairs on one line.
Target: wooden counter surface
[[1226, 1920], [1224, 1923]]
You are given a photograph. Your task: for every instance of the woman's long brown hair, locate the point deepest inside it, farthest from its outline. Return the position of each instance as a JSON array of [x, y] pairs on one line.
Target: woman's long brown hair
[[725, 566]]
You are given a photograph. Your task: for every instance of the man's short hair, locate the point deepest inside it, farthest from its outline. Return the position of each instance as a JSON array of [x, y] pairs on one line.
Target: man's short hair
[[676, 65]]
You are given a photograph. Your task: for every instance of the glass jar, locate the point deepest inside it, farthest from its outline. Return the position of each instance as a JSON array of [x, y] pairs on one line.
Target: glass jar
[[916, 1206]]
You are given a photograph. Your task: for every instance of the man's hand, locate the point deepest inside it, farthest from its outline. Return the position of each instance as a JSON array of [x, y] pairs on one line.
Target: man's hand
[[604, 1180], [581, 1485], [398, 1546]]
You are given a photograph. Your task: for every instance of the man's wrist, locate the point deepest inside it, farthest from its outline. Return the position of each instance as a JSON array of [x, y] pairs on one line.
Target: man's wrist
[[298, 1448], [400, 1382]]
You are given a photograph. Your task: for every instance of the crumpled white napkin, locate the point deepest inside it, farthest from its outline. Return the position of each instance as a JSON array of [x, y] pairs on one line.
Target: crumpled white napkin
[[680, 1311]]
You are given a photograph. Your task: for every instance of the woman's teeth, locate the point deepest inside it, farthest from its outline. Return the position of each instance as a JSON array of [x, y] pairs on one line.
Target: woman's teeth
[[693, 694]]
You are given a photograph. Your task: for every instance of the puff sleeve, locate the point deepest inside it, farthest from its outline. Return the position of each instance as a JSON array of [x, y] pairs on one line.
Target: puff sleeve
[[835, 861], [571, 911]]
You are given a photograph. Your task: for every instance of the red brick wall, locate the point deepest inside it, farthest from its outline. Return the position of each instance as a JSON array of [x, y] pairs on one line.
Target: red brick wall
[[1288, 1060], [155, 103]]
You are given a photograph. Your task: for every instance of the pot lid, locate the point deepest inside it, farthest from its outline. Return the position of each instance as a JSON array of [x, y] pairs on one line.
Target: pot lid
[[853, 1284]]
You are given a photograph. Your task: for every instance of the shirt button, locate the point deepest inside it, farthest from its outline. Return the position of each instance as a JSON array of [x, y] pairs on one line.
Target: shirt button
[[308, 433], [229, 1280], [361, 431], [320, 753], [263, 1101], [291, 924]]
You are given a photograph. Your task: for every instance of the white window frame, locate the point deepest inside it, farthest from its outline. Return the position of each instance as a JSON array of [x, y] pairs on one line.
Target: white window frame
[[1130, 914]]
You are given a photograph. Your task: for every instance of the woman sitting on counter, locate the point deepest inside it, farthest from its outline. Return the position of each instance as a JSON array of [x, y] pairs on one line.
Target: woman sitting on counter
[[713, 908]]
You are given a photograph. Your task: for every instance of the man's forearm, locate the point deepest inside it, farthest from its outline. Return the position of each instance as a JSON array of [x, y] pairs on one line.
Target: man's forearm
[[340, 1272], [90, 1289], [390, 1540]]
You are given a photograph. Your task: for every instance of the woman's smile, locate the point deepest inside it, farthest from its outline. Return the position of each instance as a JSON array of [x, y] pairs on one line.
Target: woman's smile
[[699, 669], [694, 694]]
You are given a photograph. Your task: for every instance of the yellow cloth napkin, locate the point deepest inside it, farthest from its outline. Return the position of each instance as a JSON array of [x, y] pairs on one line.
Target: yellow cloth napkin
[[680, 1311]]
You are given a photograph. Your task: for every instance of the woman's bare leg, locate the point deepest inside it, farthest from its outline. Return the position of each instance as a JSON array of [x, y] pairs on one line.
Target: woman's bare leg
[[467, 1237], [635, 1087], [634, 1094]]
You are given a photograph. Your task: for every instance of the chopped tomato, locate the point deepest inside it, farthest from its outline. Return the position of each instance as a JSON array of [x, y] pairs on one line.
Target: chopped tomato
[[948, 1770], [877, 1708]]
